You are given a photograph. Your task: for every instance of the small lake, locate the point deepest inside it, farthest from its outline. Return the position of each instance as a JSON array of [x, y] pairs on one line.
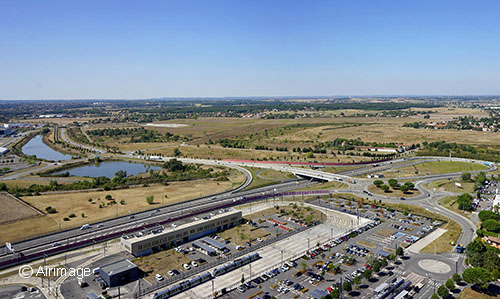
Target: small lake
[[108, 169], [36, 147]]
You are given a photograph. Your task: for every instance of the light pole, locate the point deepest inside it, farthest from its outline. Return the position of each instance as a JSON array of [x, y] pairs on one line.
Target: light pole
[[213, 288], [281, 258]]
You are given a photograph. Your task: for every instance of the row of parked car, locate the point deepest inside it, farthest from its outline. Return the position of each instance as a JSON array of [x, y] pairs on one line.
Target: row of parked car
[[266, 276]]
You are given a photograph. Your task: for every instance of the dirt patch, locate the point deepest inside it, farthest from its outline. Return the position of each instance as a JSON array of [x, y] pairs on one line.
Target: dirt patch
[[385, 232], [14, 209]]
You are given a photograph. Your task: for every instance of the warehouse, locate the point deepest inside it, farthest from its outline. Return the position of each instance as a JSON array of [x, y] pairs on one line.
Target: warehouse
[[183, 231], [119, 273]]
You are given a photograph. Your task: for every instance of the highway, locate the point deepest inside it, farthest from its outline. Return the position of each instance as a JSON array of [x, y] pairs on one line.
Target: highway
[[98, 232], [133, 222]]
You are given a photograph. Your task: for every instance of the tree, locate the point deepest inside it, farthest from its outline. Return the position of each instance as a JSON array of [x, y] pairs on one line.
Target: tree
[[385, 188], [357, 280], [393, 183], [478, 276], [434, 296], [384, 263], [378, 183], [450, 284], [174, 165], [177, 152], [410, 185], [392, 257], [121, 174], [475, 251], [491, 225], [3, 187], [404, 188], [347, 286], [150, 199], [465, 202], [400, 251], [486, 215], [367, 274], [335, 293], [443, 292], [456, 278], [491, 262], [108, 197], [376, 266], [466, 177]]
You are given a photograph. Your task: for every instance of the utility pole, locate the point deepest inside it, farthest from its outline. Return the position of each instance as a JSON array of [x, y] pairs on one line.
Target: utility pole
[[281, 258]]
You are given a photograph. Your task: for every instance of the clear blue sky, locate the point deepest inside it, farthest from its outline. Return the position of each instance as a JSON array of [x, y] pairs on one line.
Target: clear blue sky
[[142, 49]]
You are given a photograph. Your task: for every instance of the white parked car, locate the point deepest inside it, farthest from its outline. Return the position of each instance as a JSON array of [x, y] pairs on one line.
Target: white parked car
[[159, 277], [194, 264], [171, 273], [186, 266]]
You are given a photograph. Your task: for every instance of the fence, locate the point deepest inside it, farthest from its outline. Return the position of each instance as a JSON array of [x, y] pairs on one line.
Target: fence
[[204, 267]]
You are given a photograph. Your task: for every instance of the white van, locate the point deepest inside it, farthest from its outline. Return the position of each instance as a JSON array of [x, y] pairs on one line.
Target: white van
[[85, 226]]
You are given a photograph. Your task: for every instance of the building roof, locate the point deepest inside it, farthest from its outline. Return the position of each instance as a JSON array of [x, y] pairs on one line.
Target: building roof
[[493, 239], [318, 293], [383, 253], [204, 247], [185, 223], [92, 296], [214, 243], [117, 267]]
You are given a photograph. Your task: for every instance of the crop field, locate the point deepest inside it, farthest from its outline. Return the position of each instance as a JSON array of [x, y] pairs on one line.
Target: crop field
[[134, 200], [13, 209]]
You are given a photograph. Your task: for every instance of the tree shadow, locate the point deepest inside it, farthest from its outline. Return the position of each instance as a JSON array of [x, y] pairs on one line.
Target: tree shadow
[[354, 294]]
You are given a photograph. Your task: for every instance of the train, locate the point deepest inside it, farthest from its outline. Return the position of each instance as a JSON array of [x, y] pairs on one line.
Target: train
[[187, 284], [235, 264]]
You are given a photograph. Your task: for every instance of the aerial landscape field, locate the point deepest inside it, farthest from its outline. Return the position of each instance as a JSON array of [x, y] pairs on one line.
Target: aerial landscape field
[[249, 149]]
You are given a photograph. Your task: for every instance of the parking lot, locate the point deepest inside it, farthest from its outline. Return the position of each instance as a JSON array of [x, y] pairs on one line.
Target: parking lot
[[365, 261]]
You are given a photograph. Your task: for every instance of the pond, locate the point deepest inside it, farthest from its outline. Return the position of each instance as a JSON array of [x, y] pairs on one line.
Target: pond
[[36, 147], [108, 169]]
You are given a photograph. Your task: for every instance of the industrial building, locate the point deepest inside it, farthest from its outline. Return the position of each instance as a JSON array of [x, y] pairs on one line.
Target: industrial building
[[5, 130], [3, 150], [119, 273], [144, 243]]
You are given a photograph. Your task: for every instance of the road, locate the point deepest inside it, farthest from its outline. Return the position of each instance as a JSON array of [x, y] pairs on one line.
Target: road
[[427, 199], [115, 226]]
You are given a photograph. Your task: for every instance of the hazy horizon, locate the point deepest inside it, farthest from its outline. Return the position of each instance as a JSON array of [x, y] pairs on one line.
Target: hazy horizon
[[223, 49]]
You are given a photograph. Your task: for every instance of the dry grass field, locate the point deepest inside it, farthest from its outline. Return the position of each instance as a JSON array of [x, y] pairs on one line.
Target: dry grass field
[[243, 233], [443, 243], [78, 203], [434, 167], [160, 263], [469, 293], [13, 209], [449, 185], [393, 192]]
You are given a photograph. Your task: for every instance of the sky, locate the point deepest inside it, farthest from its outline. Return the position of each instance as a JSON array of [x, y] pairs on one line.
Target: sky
[[150, 49]]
